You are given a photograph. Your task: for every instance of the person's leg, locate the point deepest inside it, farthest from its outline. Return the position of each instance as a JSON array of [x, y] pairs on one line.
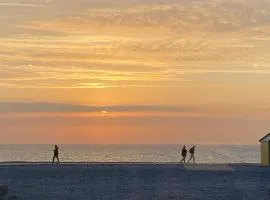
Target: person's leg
[[190, 158], [181, 160], [57, 159], [53, 159]]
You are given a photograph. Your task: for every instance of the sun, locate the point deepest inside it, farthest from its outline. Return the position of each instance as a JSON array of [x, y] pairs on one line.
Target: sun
[[104, 112]]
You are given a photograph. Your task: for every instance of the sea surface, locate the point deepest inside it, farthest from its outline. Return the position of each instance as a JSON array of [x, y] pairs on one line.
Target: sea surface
[[130, 153]]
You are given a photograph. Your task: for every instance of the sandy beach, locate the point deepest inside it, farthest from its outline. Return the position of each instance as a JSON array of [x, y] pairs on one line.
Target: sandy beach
[[136, 181]]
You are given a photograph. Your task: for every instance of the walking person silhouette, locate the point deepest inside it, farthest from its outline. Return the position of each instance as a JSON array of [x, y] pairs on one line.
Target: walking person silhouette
[[55, 154], [184, 154], [192, 152]]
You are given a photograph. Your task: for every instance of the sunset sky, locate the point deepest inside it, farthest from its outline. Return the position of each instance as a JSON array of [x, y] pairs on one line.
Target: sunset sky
[[134, 71]]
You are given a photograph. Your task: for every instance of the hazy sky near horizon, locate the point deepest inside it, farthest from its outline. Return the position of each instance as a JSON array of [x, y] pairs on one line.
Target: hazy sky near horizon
[[134, 71]]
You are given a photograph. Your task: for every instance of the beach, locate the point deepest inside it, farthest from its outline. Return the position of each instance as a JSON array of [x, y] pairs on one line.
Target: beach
[[135, 181]]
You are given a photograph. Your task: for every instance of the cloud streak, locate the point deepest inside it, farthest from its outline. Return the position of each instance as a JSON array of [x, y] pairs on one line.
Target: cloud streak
[[169, 46], [37, 107], [27, 5]]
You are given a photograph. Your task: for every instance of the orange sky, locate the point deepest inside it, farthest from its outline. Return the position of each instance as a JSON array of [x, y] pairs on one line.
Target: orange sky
[[164, 71]]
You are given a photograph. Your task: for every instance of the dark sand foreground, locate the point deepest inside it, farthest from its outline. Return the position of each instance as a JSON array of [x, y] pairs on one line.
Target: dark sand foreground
[[116, 181]]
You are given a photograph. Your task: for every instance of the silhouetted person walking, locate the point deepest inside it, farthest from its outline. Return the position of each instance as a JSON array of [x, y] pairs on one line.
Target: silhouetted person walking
[[184, 154], [55, 153], [192, 152]]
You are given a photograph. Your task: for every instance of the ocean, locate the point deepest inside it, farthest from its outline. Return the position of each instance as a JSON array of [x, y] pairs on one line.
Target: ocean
[[129, 153]]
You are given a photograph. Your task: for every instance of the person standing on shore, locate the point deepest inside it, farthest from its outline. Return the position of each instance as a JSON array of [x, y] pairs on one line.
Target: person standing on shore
[[192, 152], [184, 154], [55, 154]]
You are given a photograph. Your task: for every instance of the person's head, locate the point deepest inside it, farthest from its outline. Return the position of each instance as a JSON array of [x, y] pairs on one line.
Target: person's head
[[55, 146]]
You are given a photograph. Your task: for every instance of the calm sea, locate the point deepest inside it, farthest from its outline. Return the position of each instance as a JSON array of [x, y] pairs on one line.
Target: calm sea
[[130, 153]]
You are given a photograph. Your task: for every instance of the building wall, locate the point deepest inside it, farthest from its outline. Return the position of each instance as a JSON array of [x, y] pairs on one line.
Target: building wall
[[265, 151]]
